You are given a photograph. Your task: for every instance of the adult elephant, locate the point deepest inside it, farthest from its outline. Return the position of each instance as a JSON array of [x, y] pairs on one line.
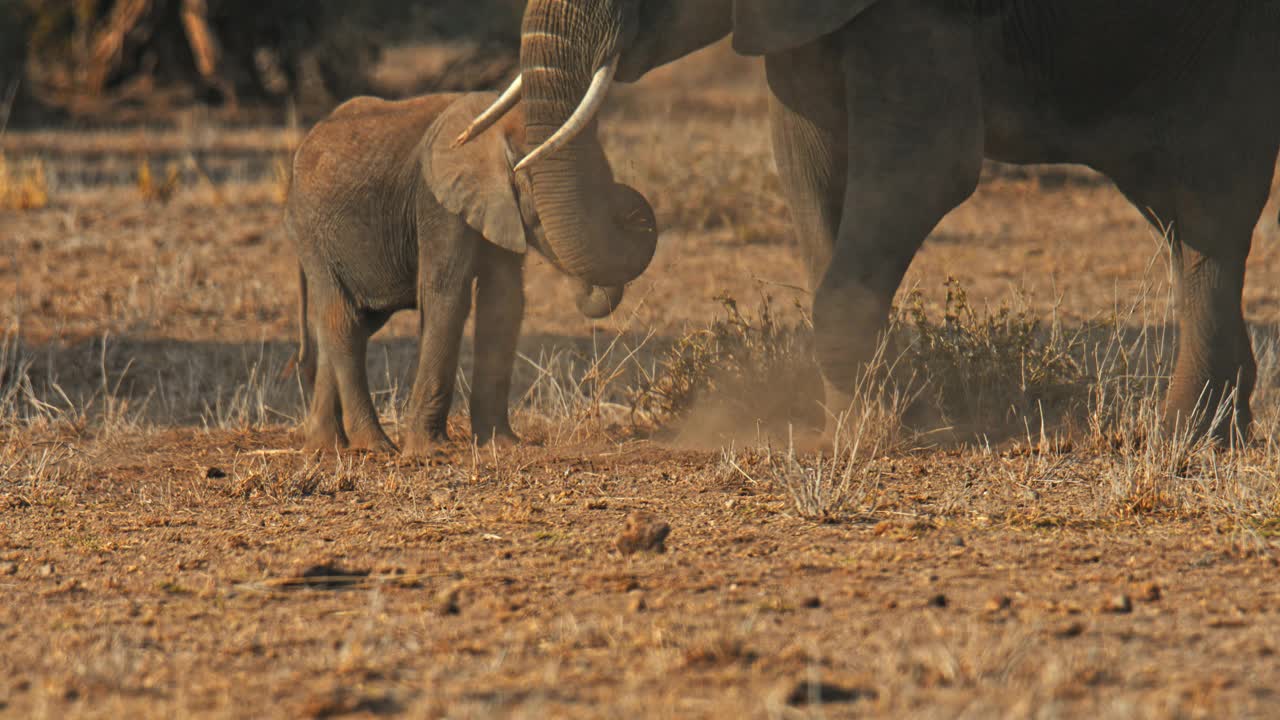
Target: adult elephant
[[882, 112]]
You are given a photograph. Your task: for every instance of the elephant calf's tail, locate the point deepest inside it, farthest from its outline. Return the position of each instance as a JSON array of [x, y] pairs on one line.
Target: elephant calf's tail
[[305, 361], [306, 340]]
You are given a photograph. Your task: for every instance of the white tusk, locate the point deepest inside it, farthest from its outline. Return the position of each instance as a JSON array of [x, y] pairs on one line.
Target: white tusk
[[509, 99], [578, 121]]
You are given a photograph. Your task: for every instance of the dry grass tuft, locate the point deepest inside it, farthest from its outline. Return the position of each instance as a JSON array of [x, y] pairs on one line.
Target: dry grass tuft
[[577, 393], [282, 179], [827, 487], [24, 187], [153, 190]]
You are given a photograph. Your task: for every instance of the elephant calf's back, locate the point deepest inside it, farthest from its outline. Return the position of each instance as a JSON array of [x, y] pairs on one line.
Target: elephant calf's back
[[363, 144], [351, 203]]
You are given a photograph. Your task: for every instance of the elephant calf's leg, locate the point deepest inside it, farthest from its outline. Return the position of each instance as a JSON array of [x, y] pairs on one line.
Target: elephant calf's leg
[[444, 301], [345, 338], [499, 312], [323, 428], [442, 317]]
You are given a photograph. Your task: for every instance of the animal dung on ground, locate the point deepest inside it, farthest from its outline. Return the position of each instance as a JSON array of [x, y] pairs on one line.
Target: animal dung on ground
[[446, 602], [643, 532]]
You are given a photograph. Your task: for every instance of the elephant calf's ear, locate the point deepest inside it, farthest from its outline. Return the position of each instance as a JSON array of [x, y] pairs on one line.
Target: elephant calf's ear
[[761, 27], [474, 181]]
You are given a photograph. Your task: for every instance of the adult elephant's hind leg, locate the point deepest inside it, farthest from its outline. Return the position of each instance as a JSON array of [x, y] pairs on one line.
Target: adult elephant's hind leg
[[915, 152], [1209, 209]]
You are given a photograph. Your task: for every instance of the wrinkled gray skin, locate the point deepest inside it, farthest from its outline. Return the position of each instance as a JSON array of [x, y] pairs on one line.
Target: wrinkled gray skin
[[386, 215], [882, 112]]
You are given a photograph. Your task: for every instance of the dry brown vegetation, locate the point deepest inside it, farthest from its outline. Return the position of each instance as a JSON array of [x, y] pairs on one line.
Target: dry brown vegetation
[[1001, 530]]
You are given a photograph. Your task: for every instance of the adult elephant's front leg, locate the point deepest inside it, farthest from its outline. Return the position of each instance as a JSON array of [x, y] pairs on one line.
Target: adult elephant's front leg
[[915, 151], [809, 126]]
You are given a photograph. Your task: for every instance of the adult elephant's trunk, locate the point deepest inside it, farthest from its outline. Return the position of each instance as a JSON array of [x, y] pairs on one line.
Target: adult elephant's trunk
[[594, 229], [597, 302]]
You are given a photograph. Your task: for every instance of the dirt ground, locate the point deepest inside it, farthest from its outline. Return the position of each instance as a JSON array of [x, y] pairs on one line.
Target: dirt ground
[[165, 551]]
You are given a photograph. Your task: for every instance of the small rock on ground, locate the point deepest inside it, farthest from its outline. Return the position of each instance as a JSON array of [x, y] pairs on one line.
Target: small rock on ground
[[1119, 604], [998, 603]]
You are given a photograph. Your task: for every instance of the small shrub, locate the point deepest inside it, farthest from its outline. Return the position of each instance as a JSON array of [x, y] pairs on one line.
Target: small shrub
[[751, 370], [988, 369]]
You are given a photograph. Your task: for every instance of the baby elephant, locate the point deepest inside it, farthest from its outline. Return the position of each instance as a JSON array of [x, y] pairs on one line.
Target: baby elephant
[[387, 214]]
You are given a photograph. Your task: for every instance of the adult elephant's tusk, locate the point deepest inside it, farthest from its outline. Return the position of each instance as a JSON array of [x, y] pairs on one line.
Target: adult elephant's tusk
[[581, 117], [485, 120]]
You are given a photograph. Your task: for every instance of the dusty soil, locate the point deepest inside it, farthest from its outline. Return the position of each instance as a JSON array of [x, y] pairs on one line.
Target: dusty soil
[[164, 550], [169, 573]]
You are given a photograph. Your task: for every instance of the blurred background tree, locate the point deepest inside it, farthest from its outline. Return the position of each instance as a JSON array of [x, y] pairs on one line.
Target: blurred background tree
[[95, 58]]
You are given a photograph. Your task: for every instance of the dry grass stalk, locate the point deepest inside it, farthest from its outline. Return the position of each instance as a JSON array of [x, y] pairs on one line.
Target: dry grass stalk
[[574, 394], [827, 487]]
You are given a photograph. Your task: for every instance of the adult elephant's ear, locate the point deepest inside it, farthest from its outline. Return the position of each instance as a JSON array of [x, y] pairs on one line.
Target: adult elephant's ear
[[761, 27], [474, 181]]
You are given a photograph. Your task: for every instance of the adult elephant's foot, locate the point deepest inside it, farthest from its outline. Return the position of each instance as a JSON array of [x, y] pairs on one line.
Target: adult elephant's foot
[[423, 444], [497, 436], [1199, 410], [837, 404], [323, 437], [372, 440], [1210, 390], [849, 325]]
